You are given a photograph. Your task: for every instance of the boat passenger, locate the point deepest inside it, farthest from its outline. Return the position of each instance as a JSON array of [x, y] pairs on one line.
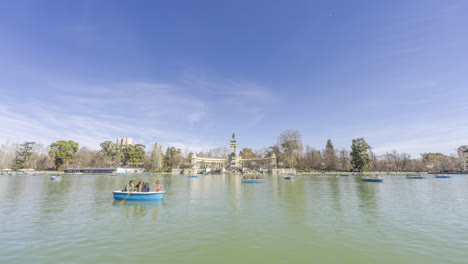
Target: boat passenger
[[159, 187], [140, 186], [129, 187], [378, 177], [147, 187]]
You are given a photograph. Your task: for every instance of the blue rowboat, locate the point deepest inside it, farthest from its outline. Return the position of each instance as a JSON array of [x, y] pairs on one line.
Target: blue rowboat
[[372, 180], [193, 176], [344, 175], [138, 196], [289, 177], [207, 174], [252, 181], [147, 203], [112, 174], [414, 177], [443, 176], [56, 178], [149, 174]]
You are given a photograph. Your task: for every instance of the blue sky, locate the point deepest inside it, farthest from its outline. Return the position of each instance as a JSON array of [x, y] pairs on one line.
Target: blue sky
[[190, 73]]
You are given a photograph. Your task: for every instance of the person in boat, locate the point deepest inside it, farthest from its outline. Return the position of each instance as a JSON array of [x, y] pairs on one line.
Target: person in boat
[[129, 187], [147, 188], [140, 186], [378, 177], [159, 187]]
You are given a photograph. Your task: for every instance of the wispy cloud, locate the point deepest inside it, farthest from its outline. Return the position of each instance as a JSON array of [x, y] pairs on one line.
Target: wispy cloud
[[420, 138], [148, 112]]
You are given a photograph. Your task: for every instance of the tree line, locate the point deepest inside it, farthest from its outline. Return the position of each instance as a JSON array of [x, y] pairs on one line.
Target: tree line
[[289, 151]]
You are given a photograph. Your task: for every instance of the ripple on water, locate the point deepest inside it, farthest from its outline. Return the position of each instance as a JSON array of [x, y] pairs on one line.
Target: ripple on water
[[326, 219]]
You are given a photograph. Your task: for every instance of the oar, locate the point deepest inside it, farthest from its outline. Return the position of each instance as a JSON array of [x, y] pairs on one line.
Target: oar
[[126, 196]]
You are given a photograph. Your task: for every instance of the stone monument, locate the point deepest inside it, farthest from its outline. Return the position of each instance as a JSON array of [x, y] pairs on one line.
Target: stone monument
[[233, 160]]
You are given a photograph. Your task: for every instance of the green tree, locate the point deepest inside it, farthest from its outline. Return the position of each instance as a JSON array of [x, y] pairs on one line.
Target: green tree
[[63, 151], [273, 150], [172, 157], [247, 153], [22, 154], [109, 148], [134, 154], [428, 157], [157, 157], [360, 159], [330, 156], [112, 151], [434, 161]]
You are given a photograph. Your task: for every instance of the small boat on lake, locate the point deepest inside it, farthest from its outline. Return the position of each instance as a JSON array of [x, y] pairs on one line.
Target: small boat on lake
[[252, 180], [343, 175], [193, 176], [149, 174], [414, 177], [56, 178], [138, 196], [207, 174], [371, 180], [289, 177], [443, 176]]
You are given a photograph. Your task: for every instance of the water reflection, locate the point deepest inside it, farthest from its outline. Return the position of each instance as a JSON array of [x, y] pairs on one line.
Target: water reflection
[[139, 209], [137, 203], [368, 194]]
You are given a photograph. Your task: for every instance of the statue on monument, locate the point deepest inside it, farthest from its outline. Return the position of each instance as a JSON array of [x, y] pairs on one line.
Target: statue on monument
[[233, 136]]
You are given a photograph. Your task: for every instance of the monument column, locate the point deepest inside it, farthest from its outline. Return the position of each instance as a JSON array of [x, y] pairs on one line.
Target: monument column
[[233, 159]]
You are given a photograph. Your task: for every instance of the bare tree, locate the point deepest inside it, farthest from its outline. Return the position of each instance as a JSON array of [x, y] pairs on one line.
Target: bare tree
[[374, 159], [290, 142], [405, 161], [7, 154], [262, 152], [344, 160]]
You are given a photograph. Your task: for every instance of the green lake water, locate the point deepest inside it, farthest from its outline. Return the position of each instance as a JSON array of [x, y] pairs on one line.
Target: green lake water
[[217, 219]]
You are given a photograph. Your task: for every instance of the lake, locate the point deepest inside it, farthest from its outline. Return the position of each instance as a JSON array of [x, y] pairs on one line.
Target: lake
[[218, 219]]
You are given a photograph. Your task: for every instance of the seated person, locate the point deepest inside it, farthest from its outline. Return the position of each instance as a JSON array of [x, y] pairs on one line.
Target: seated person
[[140, 186], [147, 187], [159, 187], [129, 187]]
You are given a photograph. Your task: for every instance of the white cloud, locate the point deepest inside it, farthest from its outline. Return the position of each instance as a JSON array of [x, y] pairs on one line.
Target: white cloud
[[420, 138], [147, 112]]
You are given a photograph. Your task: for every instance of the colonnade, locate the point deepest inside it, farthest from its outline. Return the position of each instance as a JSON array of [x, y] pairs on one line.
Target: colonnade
[[260, 163]]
